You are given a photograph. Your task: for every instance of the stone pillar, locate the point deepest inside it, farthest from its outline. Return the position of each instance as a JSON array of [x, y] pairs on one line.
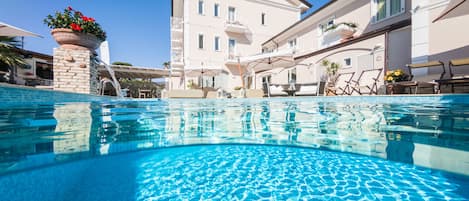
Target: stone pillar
[[75, 71]]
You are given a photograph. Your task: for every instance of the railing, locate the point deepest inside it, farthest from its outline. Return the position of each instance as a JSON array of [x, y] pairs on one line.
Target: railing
[[177, 57], [235, 26], [177, 23]]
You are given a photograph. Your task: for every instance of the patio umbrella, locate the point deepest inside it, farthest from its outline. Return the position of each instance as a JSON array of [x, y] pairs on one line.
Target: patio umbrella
[[12, 31], [455, 8]]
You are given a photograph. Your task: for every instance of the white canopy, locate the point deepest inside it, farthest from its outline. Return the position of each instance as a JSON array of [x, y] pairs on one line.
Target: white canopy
[[454, 8], [203, 71], [269, 61], [12, 31]]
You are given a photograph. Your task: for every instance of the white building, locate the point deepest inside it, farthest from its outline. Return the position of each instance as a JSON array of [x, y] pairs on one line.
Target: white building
[[210, 35]]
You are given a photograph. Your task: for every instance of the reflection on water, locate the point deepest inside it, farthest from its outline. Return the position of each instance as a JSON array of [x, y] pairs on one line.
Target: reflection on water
[[421, 134]]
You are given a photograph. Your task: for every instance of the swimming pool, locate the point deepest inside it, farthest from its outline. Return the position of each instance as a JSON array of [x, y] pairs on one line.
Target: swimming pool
[[54, 146]]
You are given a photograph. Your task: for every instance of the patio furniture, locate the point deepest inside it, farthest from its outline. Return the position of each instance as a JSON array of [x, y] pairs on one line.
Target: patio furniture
[[144, 93], [277, 90], [341, 84], [254, 93], [367, 82], [457, 78], [423, 81], [307, 90], [190, 93]]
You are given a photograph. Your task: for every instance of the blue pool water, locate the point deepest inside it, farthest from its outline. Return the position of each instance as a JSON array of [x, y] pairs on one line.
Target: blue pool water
[[58, 146]]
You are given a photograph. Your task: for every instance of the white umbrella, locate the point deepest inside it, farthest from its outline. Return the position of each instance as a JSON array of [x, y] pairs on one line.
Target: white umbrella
[[12, 31], [194, 72]]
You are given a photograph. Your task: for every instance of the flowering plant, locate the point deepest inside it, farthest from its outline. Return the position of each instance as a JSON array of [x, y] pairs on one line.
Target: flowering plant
[[75, 20], [396, 75]]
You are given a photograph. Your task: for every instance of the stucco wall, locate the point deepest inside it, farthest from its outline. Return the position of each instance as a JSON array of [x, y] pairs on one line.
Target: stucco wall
[[248, 13]]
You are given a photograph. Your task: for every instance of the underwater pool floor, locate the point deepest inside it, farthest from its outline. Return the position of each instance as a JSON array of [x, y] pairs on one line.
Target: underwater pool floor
[[233, 172]]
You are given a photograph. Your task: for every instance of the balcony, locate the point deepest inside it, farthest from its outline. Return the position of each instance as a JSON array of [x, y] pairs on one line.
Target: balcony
[[177, 24], [235, 27], [340, 31], [177, 58], [232, 59]]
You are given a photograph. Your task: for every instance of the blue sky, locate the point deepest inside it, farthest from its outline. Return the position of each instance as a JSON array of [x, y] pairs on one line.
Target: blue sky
[[138, 31]]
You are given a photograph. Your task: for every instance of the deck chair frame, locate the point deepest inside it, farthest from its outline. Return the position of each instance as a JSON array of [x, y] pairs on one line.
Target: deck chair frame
[[420, 84], [456, 81], [343, 91], [373, 88]]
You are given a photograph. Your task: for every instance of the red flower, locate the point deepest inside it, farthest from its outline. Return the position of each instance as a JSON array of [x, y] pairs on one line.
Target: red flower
[[69, 8], [78, 13], [87, 19], [75, 27]]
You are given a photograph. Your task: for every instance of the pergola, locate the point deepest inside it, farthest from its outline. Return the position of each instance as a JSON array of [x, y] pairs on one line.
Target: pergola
[[133, 72]]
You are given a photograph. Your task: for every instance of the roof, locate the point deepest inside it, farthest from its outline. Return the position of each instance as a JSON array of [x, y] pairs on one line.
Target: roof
[[306, 3], [135, 72], [302, 20], [34, 54], [395, 26]]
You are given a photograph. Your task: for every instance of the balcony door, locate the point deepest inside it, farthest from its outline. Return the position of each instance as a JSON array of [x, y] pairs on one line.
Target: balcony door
[[231, 14], [231, 48]]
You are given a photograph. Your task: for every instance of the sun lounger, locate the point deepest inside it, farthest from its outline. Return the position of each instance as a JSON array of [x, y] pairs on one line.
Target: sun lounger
[[341, 85], [457, 78], [367, 82], [307, 90], [423, 81], [190, 93], [254, 93], [277, 90]]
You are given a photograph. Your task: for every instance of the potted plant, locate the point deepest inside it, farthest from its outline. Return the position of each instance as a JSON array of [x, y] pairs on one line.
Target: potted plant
[[73, 30], [331, 68], [396, 76]]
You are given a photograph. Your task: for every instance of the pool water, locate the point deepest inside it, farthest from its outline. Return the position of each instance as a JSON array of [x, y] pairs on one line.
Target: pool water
[[57, 147], [233, 172]]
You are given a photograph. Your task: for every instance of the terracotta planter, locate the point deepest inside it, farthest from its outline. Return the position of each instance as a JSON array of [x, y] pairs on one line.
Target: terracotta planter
[[68, 39]]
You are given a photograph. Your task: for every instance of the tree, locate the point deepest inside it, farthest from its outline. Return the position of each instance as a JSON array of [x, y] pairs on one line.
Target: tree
[[167, 64], [9, 55], [120, 63]]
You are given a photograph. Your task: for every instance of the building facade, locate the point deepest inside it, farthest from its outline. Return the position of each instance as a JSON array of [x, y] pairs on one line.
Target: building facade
[[357, 34], [211, 35], [388, 34]]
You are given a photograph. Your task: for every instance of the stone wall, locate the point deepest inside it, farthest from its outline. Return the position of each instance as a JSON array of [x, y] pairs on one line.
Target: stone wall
[[75, 71]]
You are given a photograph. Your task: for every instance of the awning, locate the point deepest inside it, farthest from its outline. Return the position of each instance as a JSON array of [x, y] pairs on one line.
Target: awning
[[455, 7], [269, 61], [195, 72], [136, 72], [12, 31]]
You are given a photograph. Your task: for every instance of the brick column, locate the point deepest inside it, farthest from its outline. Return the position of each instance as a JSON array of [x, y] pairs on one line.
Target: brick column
[[75, 71]]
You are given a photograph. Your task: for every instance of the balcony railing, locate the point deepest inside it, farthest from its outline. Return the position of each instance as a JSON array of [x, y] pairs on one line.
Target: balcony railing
[[177, 58], [177, 23], [235, 27]]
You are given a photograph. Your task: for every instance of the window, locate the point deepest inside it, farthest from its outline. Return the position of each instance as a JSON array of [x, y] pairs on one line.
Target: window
[[292, 43], [387, 8], [292, 76], [201, 41], [201, 7], [232, 48], [325, 25], [217, 43], [263, 18], [348, 62], [231, 14], [216, 10]]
